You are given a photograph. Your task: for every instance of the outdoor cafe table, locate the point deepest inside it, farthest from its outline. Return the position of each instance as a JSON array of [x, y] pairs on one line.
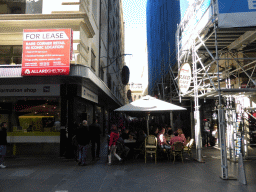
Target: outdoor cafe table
[[131, 144]]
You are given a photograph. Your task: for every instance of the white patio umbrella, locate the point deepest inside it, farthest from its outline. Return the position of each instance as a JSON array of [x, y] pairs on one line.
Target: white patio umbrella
[[147, 105]]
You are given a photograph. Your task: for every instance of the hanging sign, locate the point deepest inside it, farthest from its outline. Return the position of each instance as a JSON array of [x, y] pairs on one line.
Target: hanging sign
[[125, 75], [46, 52], [89, 95], [184, 78]]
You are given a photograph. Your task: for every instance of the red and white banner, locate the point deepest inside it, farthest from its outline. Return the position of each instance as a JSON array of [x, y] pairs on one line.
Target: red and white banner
[[46, 52]]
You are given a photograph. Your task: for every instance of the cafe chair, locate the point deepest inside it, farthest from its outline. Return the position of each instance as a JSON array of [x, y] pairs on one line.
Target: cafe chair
[[150, 146], [188, 147], [177, 150], [139, 150], [162, 152]]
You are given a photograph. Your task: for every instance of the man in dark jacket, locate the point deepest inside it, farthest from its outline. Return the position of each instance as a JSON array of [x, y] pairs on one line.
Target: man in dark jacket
[[3, 143], [95, 138], [83, 139]]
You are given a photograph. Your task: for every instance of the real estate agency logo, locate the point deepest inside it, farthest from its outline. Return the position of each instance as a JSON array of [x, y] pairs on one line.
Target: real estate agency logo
[[27, 71], [44, 71]]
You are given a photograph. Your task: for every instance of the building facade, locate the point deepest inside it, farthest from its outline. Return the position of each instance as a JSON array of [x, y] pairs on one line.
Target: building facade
[[36, 107], [116, 49], [136, 91]]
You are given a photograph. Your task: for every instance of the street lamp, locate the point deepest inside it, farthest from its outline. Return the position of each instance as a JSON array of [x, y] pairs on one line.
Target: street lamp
[[115, 60]]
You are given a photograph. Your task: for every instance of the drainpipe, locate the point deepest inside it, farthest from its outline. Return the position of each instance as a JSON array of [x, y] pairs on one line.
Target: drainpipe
[[99, 39], [108, 128], [108, 43]]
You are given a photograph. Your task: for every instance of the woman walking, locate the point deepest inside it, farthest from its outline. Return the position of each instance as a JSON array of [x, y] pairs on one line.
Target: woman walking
[[3, 143], [114, 135]]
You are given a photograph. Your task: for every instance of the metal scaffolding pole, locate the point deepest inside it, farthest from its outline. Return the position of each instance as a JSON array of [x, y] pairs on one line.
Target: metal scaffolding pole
[[221, 118], [198, 138]]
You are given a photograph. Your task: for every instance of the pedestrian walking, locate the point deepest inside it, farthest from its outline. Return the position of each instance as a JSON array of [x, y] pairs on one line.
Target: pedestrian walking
[[3, 143], [207, 132], [83, 140], [95, 138], [114, 135]]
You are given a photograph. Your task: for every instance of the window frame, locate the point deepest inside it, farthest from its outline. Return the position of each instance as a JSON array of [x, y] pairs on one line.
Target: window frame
[[11, 55], [93, 60]]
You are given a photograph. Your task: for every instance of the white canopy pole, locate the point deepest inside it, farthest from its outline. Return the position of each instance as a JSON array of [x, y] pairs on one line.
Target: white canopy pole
[[148, 114]]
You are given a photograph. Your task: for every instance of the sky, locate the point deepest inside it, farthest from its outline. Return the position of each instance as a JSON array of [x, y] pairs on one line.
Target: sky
[[135, 39]]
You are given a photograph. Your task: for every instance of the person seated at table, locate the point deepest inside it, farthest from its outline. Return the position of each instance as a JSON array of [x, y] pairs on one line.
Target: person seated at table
[[120, 136], [162, 141], [121, 147], [176, 138], [133, 135], [180, 133], [141, 137], [155, 131], [125, 134], [169, 132]]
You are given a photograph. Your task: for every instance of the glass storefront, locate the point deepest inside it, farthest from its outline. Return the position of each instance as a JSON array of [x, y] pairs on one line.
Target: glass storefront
[[33, 125], [31, 115]]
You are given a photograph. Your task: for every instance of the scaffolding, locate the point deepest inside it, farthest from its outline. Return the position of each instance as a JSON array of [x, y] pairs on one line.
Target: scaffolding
[[223, 66]]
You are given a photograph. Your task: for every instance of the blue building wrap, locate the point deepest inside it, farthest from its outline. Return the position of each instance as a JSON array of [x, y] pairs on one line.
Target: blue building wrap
[[163, 16]]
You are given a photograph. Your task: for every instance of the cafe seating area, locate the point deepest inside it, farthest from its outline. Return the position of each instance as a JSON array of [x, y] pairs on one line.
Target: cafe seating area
[[151, 151]]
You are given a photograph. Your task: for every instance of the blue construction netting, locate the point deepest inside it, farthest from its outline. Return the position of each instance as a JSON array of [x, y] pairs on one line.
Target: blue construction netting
[[163, 16]]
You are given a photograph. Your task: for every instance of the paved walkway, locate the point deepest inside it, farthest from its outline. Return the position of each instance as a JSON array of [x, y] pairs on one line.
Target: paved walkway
[[52, 174]]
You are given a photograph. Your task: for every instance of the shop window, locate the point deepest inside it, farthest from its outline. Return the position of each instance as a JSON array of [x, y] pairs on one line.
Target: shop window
[[109, 37], [117, 64], [8, 7], [109, 81], [101, 72], [34, 6], [93, 59], [10, 55], [94, 9], [113, 51], [114, 88], [110, 5], [114, 25], [37, 116]]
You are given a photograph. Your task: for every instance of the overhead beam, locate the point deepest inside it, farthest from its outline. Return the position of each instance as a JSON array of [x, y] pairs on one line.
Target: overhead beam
[[245, 39]]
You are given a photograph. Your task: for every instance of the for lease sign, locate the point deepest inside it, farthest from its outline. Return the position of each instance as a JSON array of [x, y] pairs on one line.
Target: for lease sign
[[46, 52]]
